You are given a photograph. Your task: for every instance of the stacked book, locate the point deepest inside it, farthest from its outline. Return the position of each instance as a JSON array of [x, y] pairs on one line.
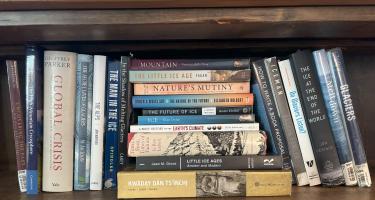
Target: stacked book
[[197, 115]]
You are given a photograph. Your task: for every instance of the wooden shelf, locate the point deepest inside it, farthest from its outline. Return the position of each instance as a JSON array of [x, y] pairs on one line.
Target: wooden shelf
[[20, 27], [9, 190], [120, 4]]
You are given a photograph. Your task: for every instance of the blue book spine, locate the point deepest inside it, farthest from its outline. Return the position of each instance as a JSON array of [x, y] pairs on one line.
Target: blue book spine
[[261, 115], [34, 122], [195, 119], [192, 101], [335, 116], [82, 147], [113, 102], [340, 79]]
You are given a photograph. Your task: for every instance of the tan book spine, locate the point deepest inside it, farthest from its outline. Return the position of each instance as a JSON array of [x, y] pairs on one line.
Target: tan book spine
[[171, 184], [191, 88], [58, 129]]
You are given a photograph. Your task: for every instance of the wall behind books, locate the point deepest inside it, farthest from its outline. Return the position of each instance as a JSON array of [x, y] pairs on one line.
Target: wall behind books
[[361, 73]]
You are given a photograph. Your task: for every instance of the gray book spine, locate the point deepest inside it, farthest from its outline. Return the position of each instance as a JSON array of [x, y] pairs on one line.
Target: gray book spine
[[283, 111]]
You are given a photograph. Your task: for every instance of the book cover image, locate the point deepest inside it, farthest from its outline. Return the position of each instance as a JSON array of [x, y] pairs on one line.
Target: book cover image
[[197, 143], [212, 184]]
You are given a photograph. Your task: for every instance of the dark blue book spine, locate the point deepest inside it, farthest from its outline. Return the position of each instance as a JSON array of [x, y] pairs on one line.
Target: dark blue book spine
[[82, 152], [261, 116], [113, 102], [335, 117], [342, 87], [34, 122], [195, 119]]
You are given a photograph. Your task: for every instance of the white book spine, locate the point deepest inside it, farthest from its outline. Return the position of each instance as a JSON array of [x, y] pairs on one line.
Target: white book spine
[[97, 136], [58, 129], [299, 122], [194, 128]]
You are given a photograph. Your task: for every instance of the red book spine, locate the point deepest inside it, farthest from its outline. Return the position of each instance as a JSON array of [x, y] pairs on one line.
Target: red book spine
[[18, 123]]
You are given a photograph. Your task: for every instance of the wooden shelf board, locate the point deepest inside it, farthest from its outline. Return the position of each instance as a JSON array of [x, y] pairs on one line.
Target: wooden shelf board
[[19, 27], [117, 4], [9, 190]]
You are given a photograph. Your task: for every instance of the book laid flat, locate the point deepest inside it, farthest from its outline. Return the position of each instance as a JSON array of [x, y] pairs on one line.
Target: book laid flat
[[197, 143], [164, 184]]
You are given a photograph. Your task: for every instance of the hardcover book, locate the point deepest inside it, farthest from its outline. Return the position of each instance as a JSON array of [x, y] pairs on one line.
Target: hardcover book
[[199, 111], [59, 100], [277, 132], [312, 175], [34, 122], [165, 184], [191, 88], [171, 163], [192, 101], [18, 124], [82, 147], [97, 136], [189, 76], [340, 79], [283, 111], [188, 64], [125, 111], [315, 112], [197, 143], [336, 118], [195, 119], [195, 127], [113, 102]]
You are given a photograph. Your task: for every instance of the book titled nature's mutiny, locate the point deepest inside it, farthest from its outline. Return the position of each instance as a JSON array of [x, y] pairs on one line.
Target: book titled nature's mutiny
[[181, 76], [197, 143], [59, 105], [18, 124], [203, 183], [188, 64]]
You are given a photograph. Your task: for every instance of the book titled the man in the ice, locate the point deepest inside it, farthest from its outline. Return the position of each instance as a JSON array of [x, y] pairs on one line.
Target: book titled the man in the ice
[[197, 143], [164, 163]]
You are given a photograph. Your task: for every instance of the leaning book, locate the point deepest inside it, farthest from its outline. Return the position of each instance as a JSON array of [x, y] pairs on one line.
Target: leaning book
[[168, 184]]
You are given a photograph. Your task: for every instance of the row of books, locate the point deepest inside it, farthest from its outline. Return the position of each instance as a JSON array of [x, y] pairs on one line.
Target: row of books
[[198, 118]]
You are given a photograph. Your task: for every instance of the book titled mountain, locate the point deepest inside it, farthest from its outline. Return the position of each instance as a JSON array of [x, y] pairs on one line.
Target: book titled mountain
[[188, 64], [59, 100], [197, 143]]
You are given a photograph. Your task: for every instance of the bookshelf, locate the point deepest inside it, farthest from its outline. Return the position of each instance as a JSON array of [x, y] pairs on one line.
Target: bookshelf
[[245, 28]]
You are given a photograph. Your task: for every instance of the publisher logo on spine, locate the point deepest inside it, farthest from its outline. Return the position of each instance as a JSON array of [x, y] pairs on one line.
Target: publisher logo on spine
[[268, 162]]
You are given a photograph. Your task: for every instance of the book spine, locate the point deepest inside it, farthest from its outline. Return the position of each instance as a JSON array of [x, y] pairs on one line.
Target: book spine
[[277, 133], [206, 183], [124, 109], [283, 111], [192, 101], [97, 136], [18, 124], [59, 101], [82, 147], [261, 116], [342, 88], [113, 102], [194, 128], [171, 163], [188, 64], [335, 117], [189, 76], [196, 143], [195, 119], [239, 110], [312, 175], [191, 88], [34, 122]]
